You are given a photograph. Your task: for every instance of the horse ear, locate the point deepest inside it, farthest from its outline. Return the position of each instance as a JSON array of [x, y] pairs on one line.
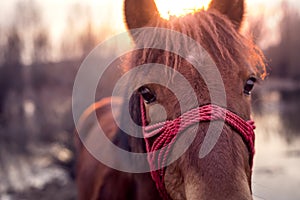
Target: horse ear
[[233, 9], [138, 13]]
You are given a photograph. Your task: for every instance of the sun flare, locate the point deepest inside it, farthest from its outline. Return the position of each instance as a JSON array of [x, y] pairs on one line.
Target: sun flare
[[169, 8]]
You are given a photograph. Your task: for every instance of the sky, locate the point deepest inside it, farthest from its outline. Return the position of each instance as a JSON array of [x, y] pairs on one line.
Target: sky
[[55, 10], [111, 12]]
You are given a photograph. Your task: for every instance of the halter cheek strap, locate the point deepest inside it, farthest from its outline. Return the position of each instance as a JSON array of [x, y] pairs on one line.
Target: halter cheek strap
[[167, 132]]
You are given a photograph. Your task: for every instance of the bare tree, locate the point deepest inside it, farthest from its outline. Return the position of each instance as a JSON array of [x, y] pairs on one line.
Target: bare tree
[[81, 35], [11, 87], [28, 19], [41, 47], [11, 70], [13, 48], [88, 39], [77, 18], [285, 60], [256, 28]]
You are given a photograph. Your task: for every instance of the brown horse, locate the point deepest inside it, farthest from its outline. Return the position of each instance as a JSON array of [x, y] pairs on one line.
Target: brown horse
[[225, 173]]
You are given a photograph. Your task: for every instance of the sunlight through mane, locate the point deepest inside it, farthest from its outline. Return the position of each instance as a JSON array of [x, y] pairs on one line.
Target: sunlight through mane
[[168, 8]]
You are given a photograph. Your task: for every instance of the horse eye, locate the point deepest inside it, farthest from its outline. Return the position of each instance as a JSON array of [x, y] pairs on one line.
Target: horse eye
[[147, 95], [249, 85]]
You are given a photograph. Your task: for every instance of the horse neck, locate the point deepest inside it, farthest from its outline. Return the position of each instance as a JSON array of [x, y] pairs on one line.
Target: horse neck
[[145, 187]]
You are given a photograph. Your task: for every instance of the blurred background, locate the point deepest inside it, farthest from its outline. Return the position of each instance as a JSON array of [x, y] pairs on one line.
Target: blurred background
[[42, 44]]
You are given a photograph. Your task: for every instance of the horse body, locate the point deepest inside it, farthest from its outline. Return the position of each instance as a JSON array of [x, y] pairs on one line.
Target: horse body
[[225, 172], [94, 179]]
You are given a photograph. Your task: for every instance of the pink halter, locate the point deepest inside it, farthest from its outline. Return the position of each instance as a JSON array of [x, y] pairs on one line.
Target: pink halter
[[167, 132]]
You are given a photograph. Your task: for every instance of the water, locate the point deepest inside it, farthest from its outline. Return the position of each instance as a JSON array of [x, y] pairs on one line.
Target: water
[[276, 165], [277, 160]]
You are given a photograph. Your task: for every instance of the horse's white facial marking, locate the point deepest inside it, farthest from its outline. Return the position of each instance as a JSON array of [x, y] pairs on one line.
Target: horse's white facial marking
[[157, 113], [191, 58], [200, 59]]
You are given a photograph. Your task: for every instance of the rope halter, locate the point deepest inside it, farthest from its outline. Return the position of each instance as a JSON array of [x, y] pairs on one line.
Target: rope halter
[[164, 134]]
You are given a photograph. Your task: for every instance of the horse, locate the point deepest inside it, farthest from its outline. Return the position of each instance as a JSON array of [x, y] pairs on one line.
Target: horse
[[226, 171]]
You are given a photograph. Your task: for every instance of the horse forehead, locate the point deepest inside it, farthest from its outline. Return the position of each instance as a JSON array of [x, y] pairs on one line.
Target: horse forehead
[[201, 61], [199, 58]]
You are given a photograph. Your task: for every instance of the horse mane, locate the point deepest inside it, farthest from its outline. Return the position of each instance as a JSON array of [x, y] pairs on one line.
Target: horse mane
[[215, 33]]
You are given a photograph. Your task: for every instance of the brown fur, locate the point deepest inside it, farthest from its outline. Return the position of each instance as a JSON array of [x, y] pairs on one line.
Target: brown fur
[[91, 174], [94, 179], [234, 10], [224, 173]]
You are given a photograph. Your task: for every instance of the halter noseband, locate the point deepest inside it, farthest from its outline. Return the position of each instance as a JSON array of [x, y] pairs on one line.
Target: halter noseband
[[167, 132]]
